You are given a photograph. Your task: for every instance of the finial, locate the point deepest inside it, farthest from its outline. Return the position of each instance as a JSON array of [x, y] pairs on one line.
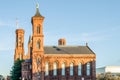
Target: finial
[[17, 22], [37, 5], [37, 11], [86, 44]]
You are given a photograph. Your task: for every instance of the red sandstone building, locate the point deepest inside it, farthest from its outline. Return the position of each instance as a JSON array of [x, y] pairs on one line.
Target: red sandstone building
[[60, 62]]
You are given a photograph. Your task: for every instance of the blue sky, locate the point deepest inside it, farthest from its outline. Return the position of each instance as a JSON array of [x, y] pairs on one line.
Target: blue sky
[[96, 22]]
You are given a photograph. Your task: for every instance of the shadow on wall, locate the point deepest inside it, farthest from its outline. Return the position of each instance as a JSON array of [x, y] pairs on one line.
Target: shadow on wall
[[80, 72]]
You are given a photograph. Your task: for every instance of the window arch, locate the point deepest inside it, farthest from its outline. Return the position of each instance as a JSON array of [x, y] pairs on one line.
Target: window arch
[[38, 29], [79, 69], [54, 68], [71, 69], [46, 68], [88, 69], [63, 69], [38, 44]]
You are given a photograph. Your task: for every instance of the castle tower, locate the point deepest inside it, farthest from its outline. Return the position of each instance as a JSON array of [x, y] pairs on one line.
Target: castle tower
[[37, 46], [19, 49]]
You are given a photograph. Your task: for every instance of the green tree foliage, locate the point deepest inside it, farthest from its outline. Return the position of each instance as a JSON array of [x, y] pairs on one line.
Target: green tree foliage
[[108, 76], [16, 70]]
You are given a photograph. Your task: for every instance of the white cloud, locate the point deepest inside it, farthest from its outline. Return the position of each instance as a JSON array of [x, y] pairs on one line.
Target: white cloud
[[99, 36], [78, 38], [6, 45], [2, 24], [7, 23], [6, 48]]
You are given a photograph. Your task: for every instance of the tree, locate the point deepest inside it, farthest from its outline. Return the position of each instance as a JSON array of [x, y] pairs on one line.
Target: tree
[[16, 70], [108, 76]]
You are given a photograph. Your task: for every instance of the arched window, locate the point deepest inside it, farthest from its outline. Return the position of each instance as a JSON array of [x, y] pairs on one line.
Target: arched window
[[38, 29], [30, 66], [46, 68], [79, 69], [17, 39], [38, 45], [63, 69], [71, 69], [54, 68], [88, 69]]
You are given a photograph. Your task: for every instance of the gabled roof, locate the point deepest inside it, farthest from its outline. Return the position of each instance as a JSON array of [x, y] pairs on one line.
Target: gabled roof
[[67, 50]]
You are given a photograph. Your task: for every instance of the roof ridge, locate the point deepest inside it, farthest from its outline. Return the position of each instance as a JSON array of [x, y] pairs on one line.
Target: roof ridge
[[65, 46], [90, 49]]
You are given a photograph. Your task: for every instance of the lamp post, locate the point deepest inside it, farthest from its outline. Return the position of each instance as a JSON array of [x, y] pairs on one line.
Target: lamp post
[[20, 78]]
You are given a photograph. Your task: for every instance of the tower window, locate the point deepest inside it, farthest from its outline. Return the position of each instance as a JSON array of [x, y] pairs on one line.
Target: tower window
[[38, 30], [38, 45], [71, 69], [88, 69], [79, 69], [16, 39]]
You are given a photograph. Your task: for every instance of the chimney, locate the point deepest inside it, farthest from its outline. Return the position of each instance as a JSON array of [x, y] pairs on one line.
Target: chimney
[[62, 42], [86, 44]]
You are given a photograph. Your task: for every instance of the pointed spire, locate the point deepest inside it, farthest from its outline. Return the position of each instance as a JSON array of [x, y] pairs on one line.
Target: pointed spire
[[37, 10]]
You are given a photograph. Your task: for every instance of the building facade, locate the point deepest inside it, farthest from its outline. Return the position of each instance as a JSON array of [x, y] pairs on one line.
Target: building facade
[[108, 69], [59, 62]]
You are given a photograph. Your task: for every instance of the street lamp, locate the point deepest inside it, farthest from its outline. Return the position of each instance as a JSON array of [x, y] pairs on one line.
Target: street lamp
[[20, 78]]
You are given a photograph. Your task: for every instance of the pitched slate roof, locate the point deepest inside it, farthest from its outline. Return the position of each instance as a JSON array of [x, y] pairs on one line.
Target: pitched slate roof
[[67, 50]]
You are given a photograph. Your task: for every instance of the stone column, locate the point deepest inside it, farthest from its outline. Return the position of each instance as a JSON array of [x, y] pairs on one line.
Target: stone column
[[67, 70], [42, 69], [59, 70], [84, 69], [51, 70], [93, 70], [75, 70]]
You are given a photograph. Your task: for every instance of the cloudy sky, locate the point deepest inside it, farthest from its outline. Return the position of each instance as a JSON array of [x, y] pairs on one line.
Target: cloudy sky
[[96, 22]]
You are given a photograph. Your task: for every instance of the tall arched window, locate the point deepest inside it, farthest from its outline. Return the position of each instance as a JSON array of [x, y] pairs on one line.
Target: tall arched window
[[38, 45], [71, 69], [38, 29], [46, 68], [79, 69], [30, 66], [88, 69], [55, 68], [63, 69]]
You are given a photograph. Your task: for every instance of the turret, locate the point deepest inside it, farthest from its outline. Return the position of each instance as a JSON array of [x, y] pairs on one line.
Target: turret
[[19, 49]]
